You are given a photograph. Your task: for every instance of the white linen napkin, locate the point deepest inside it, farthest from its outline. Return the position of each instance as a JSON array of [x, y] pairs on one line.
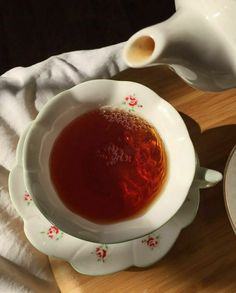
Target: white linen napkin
[[23, 92]]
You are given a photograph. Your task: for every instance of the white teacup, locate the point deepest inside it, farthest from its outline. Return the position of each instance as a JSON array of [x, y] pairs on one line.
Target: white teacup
[[183, 170]]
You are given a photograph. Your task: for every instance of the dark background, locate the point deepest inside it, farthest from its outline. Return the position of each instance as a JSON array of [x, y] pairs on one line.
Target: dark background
[[32, 30]]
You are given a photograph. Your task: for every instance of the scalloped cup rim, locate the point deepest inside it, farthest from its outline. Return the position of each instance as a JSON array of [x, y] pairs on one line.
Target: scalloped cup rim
[[84, 97]]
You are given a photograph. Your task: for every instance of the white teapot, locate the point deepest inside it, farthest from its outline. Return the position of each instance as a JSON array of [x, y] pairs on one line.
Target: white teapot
[[198, 42]]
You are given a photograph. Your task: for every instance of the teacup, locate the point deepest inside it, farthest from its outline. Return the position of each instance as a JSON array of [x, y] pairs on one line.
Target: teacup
[[183, 170]]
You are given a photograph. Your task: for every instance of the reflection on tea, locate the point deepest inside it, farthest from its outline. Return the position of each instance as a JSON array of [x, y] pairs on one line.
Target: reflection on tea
[[108, 165]]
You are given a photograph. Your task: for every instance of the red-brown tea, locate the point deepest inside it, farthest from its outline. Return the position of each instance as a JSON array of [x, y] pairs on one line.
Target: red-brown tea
[[108, 165]]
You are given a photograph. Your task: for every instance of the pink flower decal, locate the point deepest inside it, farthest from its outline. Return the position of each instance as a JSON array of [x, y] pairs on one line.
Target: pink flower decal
[[132, 102], [53, 233], [151, 241], [101, 252], [27, 198]]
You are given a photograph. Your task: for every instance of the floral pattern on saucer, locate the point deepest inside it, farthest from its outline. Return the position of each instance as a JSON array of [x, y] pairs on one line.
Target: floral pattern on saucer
[[151, 241], [94, 258], [53, 233], [101, 252], [27, 198]]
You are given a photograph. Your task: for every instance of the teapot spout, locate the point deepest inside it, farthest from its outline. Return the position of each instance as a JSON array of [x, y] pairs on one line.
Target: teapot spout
[[191, 45], [156, 44], [146, 47]]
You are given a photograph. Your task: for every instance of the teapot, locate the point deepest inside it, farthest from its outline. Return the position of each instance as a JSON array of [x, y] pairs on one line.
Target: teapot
[[198, 42]]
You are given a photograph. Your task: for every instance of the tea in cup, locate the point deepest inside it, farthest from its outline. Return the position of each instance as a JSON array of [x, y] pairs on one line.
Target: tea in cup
[[108, 165]]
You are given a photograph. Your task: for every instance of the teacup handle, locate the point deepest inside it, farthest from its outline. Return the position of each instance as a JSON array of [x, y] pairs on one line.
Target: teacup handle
[[205, 177]]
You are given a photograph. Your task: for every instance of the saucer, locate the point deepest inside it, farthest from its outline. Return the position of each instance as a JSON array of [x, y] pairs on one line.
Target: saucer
[[230, 188], [94, 258]]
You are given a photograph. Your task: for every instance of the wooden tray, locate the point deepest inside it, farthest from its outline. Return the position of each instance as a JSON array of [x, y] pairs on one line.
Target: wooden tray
[[204, 256]]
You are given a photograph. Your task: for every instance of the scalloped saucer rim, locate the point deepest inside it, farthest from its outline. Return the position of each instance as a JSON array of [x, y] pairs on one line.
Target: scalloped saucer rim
[[94, 258]]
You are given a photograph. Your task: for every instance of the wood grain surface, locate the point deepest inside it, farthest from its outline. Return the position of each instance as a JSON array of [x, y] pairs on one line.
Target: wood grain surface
[[204, 257]]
